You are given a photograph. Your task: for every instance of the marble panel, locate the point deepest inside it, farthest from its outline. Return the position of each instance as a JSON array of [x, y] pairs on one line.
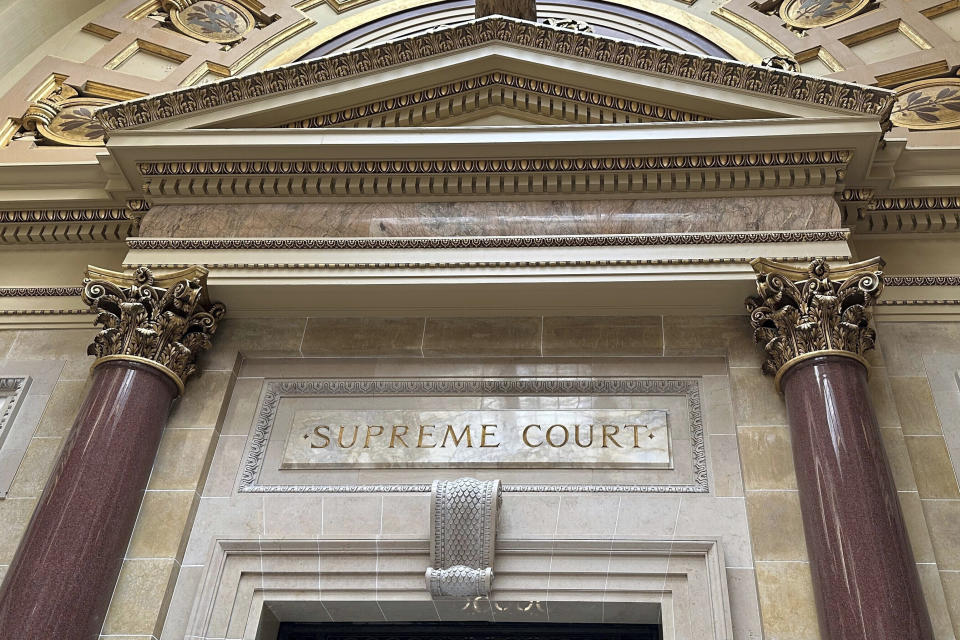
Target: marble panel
[[203, 405], [895, 448], [904, 342], [585, 515], [529, 515], [931, 467], [431, 219], [67, 345], [238, 517], [695, 335], [141, 596], [744, 605], [351, 337], [602, 336], [241, 408], [756, 403], [725, 465], [943, 523], [882, 396], [38, 460], [352, 515], [766, 458], [917, 531], [61, 409], [935, 597], [547, 438], [224, 467], [951, 592], [252, 337], [7, 336], [776, 525], [162, 525], [482, 337], [181, 602], [14, 516], [915, 406], [182, 458], [786, 601], [723, 518]]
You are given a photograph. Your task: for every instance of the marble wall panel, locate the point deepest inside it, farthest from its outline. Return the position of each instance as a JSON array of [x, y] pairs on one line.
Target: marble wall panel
[[432, 219]]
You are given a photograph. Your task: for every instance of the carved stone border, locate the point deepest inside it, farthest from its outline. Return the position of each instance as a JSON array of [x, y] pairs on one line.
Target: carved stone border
[[29, 292], [666, 62], [525, 242], [276, 390]]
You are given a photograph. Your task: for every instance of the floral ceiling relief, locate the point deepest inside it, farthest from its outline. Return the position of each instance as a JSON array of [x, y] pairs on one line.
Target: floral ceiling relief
[[933, 103], [808, 14], [221, 21]]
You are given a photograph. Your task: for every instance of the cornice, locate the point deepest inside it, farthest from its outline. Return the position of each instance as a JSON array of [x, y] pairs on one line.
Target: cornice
[[653, 239], [28, 226], [704, 69], [491, 264]]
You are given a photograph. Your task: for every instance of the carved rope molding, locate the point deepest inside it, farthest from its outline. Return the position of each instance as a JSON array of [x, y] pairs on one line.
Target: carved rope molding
[[463, 532], [800, 313], [761, 80], [164, 322], [276, 390], [484, 242]]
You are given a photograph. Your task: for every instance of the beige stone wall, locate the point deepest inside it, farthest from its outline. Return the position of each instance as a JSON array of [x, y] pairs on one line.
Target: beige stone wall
[[748, 451]]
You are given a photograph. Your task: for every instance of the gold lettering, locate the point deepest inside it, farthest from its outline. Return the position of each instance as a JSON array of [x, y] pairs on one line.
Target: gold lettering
[[484, 433], [566, 435], [450, 433], [576, 436], [398, 436], [326, 438], [356, 430], [526, 441], [610, 430], [423, 433], [370, 434], [636, 433]]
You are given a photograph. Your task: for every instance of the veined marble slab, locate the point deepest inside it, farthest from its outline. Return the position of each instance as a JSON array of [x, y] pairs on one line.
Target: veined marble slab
[[490, 438]]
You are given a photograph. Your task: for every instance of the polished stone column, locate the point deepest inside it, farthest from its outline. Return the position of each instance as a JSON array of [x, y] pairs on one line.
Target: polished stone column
[[814, 326], [61, 579]]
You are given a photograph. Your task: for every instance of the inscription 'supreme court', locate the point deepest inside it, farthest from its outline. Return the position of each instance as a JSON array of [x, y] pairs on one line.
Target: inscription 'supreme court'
[[486, 438]]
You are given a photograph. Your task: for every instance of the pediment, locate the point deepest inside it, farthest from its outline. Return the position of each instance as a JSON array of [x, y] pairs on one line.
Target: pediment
[[503, 107], [567, 63]]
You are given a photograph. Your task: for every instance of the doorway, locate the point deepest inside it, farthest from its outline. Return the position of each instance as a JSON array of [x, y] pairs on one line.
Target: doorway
[[465, 631]]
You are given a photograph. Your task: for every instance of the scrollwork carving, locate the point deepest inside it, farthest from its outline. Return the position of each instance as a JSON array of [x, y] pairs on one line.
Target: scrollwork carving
[[164, 321], [803, 312]]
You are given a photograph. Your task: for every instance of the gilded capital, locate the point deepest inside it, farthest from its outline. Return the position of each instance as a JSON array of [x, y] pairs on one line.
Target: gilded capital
[[163, 321], [818, 310]]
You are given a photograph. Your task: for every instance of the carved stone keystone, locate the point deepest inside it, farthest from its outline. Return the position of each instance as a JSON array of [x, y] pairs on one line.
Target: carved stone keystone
[[463, 531]]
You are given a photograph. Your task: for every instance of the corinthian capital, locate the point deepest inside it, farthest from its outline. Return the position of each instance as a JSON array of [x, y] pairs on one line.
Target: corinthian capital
[[163, 321], [800, 313]]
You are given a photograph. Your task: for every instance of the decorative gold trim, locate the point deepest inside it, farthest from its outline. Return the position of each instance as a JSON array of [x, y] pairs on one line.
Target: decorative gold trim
[[815, 354], [929, 108], [165, 321], [814, 310], [150, 363]]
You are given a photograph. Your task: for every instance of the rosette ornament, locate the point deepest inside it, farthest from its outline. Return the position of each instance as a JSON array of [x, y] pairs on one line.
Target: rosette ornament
[[161, 321], [803, 313]]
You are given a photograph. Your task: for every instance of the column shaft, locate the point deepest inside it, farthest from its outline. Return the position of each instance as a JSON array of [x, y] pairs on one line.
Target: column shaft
[[865, 579], [62, 577]]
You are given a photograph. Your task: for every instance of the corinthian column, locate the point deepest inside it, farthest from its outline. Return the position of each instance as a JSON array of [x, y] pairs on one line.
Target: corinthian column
[[814, 325], [61, 579]]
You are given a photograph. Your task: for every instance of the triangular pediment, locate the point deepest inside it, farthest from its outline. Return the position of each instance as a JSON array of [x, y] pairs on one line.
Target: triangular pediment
[[498, 106], [570, 66]]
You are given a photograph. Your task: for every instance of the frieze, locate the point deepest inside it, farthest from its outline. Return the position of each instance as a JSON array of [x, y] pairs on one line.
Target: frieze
[[922, 281], [506, 165], [761, 80], [526, 242], [276, 390], [503, 264]]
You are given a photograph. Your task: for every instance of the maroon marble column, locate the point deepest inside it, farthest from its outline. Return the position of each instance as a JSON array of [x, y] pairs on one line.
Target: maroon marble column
[[62, 577], [60, 582], [864, 576], [814, 325]]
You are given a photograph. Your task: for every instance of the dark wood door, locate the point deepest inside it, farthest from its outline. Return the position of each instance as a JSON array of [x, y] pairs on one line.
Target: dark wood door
[[465, 631]]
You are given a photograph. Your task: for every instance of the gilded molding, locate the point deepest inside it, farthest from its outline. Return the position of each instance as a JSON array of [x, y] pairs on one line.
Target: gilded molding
[[922, 281], [666, 62], [166, 321], [928, 203], [492, 242], [489, 81], [800, 312], [27, 226]]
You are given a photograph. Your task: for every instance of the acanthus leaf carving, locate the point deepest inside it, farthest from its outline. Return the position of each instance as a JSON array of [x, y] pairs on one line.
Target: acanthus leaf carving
[[800, 312], [165, 320]]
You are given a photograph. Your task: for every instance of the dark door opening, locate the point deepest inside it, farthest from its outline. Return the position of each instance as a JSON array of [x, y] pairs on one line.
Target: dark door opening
[[465, 631]]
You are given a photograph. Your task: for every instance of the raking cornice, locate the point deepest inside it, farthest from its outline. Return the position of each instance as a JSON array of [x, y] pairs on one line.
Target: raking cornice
[[665, 62]]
